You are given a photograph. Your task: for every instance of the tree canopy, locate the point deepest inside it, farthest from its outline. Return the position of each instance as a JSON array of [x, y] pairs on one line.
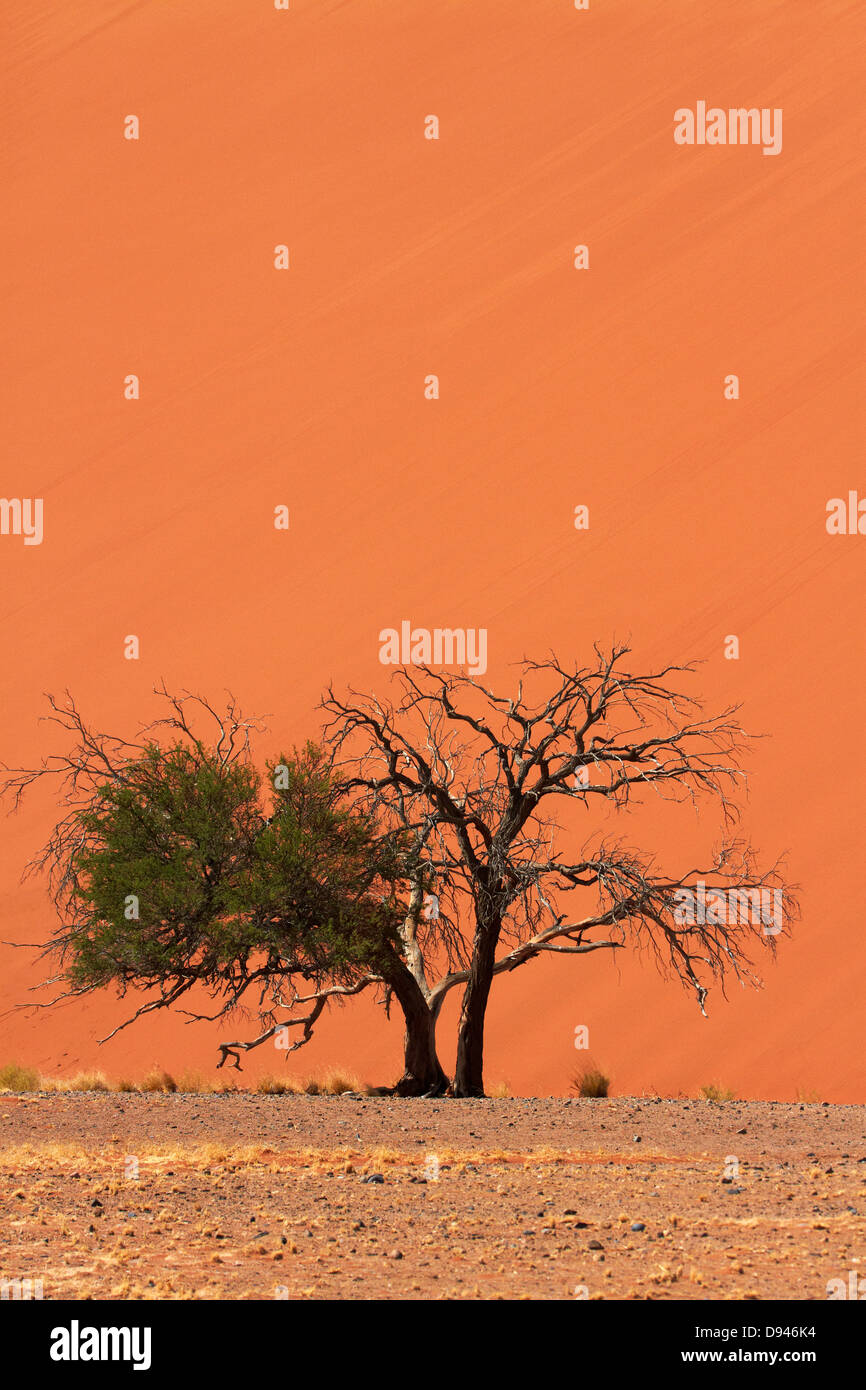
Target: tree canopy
[[412, 851]]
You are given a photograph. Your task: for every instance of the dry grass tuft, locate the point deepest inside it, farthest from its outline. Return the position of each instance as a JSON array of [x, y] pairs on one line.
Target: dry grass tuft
[[14, 1077], [592, 1084], [717, 1093], [193, 1083], [277, 1086], [85, 1081], [332, 1083], [335, 1082], [158, 1080]]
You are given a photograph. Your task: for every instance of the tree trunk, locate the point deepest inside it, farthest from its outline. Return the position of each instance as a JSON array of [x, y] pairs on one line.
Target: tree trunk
[[469, 1075], [421, 1070]]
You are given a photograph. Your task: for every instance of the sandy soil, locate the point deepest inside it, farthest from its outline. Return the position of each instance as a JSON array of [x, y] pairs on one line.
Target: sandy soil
[[265, 1197]]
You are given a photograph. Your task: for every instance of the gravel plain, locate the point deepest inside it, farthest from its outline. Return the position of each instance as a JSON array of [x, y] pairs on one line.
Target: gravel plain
[[270, 1197]]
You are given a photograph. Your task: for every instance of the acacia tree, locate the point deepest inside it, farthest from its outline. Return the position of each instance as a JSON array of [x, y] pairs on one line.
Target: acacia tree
[[170, 872], [472, 777], [417, 852]]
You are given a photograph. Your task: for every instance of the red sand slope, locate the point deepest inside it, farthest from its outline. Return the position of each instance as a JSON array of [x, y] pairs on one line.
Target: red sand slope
[[558, 387]]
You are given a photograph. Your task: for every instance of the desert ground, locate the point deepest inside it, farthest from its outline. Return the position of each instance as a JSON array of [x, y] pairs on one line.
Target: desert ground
[[243, 1196]]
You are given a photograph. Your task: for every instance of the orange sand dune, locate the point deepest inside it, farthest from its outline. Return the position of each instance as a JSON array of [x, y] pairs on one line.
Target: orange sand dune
[[559, 387]]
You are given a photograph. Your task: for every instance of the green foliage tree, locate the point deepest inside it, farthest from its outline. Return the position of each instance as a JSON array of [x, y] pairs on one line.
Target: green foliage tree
[[177, 870]]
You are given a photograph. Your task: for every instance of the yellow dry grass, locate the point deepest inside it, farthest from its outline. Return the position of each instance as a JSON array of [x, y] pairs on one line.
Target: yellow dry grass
[[18, 1079]]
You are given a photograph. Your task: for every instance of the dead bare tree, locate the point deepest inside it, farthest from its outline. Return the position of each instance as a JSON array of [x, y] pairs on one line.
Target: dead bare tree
[[472, 776]]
